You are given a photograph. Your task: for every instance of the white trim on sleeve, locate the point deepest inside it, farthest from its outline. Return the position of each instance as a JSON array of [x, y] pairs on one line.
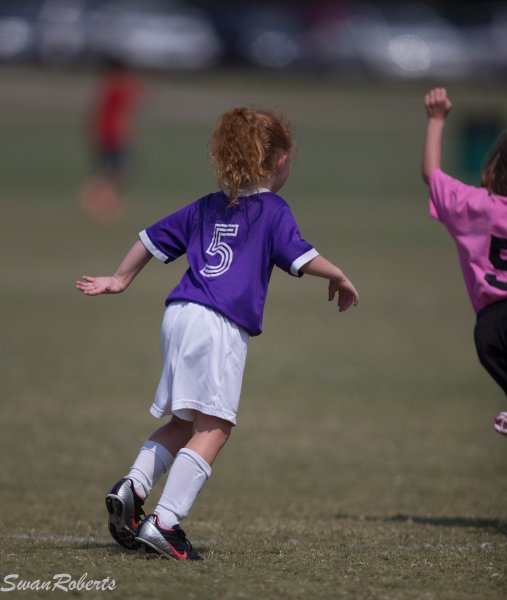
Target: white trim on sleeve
[[302, 260], [151, 247]]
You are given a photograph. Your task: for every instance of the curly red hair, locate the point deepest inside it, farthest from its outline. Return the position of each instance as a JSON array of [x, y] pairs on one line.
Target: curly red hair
[[244, 147]]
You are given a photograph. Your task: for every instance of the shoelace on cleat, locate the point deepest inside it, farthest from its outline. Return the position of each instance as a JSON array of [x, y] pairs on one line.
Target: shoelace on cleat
[[185, 541]]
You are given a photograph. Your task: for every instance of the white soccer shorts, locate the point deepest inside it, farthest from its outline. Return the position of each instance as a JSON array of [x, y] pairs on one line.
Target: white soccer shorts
[[203, 355]]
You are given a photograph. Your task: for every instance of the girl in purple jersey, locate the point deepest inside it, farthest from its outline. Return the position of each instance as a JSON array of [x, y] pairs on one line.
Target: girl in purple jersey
[[476, 218], [232, 240]]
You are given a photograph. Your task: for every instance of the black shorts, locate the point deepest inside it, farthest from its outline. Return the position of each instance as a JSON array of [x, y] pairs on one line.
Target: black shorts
[[111, 160], [491, 341]]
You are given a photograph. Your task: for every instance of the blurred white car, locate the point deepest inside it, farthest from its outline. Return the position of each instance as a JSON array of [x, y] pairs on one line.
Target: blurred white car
[[405, 40], [153, 35], [18, 33]]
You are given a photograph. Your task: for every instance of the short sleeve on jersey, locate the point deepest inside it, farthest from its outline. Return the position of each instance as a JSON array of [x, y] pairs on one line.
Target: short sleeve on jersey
[[168, 238], [289, 251], [450, 199]]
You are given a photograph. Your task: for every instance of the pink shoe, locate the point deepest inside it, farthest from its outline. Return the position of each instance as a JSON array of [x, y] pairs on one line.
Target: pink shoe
[[500, 423]]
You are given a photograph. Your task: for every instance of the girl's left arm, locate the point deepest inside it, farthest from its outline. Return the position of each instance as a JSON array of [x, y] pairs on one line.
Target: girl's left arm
[[437, 106], [338, 282], [137, 257]]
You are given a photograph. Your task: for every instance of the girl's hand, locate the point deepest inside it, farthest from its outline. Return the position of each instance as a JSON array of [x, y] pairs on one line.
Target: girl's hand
[[437, 104], [94, 286], [347, 293]]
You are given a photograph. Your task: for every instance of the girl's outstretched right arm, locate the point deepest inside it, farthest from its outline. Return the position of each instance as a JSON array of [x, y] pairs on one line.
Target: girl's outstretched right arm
[[437, 106], [137, 257]]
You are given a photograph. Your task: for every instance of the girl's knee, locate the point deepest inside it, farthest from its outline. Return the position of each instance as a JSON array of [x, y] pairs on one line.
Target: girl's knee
[[210, 424], [209, 436], [174, 434]]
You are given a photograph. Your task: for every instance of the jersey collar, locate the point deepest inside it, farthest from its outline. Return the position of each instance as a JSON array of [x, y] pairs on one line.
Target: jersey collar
[[248, 191]]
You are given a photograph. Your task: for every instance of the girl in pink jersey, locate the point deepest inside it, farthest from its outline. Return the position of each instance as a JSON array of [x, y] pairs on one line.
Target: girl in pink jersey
[[476, 218]]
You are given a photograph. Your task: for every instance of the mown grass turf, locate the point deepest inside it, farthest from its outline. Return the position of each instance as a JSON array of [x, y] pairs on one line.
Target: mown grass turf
[[364, 464]]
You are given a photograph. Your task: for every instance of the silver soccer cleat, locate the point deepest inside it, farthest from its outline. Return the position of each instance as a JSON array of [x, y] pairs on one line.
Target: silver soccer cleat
[[169, 543], [125, 513]]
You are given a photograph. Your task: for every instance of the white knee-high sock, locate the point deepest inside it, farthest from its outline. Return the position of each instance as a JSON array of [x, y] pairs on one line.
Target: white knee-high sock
[[152, 462], [186, 478]]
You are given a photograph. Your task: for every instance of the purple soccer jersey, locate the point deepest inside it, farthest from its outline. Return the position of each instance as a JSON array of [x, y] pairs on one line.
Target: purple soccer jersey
[[231, 252]]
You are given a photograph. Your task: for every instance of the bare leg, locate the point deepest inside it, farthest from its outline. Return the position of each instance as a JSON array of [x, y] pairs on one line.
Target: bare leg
[[101, 201], [191, 468], [209, 436], [174, 435]]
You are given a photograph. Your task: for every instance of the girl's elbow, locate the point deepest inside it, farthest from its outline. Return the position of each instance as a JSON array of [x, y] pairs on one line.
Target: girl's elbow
[[427, 170]]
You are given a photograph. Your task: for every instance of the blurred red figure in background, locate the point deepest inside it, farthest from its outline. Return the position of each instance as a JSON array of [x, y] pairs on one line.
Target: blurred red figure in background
[[111, 128]]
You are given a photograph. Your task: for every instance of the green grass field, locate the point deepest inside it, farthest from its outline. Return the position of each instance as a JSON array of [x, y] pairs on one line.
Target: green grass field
[[364, 464]]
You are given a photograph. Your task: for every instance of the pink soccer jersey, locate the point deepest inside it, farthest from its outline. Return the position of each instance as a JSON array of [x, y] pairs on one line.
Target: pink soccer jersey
[[477, 221]]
